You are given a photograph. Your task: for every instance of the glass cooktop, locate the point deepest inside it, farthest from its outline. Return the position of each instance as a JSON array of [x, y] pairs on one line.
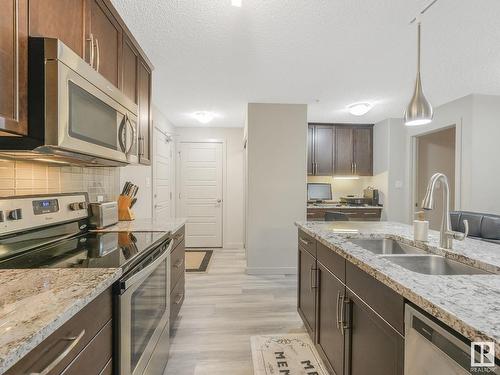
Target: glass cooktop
[[67, 250]]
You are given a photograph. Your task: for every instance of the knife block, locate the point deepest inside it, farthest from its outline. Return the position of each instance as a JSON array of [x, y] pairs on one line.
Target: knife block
[[124, 211]]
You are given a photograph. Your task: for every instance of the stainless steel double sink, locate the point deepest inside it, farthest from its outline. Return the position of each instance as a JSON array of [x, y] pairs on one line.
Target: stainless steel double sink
[[415, 259]]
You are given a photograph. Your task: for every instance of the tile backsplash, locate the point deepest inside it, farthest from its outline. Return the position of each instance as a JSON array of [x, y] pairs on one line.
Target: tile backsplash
[[21, 178]]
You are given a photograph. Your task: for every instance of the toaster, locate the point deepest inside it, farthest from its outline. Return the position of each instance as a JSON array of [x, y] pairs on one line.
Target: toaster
[[103, 214]]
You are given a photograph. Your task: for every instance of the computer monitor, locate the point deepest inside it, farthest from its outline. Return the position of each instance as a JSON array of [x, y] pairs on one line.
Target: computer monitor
[[319, 192]]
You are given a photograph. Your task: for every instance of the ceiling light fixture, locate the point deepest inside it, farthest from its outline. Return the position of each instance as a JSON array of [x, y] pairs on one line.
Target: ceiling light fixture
[[359, 109], [236, 3], [419, 110], [204, 116]]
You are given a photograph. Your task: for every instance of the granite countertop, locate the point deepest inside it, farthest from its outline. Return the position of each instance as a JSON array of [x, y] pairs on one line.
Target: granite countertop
[[469, 304], [146, 225], [338, 205], [36, 302]]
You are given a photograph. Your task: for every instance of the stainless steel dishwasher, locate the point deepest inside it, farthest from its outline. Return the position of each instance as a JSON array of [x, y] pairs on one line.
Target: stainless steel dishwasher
[[430, 349]]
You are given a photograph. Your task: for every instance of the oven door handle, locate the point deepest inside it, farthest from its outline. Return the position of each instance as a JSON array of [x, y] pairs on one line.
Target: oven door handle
[[125, 284]]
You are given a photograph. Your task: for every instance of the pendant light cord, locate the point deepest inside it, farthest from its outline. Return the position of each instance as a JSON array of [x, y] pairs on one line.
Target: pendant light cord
[[418, 47]]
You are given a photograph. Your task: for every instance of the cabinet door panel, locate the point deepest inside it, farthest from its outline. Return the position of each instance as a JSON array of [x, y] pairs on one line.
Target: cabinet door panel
[[107, 38], [375, 347], [306, 292], [310, 150], [330, 340], [323, 150], [145, 121], [363, 151], [129, 70], [343, 151], [13, 66], [64, 20]]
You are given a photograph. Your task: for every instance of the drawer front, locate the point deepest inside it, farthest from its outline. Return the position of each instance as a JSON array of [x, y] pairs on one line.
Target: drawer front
[[94, 358], [332, 261], [178, 237], [108, 369], [71, 338], [177, 265], [307, 243], [176, 300], [362, 214], [382, 299], [315, 214]]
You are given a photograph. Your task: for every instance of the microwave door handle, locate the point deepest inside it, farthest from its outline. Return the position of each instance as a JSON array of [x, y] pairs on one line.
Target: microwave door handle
[[121, 134], [146, 271], [133, 132]]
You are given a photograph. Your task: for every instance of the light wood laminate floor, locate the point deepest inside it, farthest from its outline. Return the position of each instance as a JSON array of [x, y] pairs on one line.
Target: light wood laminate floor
[[222, 310]]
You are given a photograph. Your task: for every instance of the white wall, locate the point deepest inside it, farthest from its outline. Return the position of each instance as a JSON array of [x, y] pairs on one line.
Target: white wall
[[141, 175], [276, 190], [389, 166], [477, 121], [233, 216]]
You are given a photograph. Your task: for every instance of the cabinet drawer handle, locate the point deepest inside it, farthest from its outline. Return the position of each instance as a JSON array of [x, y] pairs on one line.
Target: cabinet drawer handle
[[62, 355], [91, 50], [179, 298], [304, 241], [180, 237], [98, 55], [312, 279], [370, 213]]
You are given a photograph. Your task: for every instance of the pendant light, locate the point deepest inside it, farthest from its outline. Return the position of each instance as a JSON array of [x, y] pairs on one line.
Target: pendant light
[[419, 110]]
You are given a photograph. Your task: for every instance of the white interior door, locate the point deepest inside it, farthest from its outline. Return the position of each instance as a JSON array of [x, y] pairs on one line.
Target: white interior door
[[200, 193], [162, 184]]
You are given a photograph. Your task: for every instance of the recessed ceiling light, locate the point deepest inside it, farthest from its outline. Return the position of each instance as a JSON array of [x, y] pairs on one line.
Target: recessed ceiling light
[[236, 3], [359, 109], [204, 116]]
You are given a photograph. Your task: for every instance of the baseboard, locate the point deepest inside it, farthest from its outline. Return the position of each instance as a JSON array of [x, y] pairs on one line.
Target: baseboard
[[233, 245], [271, 270]]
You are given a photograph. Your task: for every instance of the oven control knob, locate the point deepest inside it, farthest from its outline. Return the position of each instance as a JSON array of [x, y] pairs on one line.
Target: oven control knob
[[16, 214], [74, 206], [82, 205]]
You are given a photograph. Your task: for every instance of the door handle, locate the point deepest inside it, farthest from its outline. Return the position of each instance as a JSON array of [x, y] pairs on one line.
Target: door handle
[[98, 54], [311, 279], [91, 57], [344, 325], [337, 310]]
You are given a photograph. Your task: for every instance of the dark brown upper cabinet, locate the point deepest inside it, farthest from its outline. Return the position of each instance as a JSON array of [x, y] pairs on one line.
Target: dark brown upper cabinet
[[353, 150], [91, 28], [145, 112], [340, 149], [66, 20], [13, 67], [321, 150], [106, 37]]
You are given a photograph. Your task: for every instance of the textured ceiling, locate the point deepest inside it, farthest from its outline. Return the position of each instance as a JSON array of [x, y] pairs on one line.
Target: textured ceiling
[[209, 55]]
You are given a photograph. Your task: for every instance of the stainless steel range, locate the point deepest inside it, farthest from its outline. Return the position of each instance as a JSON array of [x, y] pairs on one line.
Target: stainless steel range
[[51, 231]]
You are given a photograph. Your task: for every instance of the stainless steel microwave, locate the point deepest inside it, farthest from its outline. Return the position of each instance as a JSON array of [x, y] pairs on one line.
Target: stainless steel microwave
[[74, 114]]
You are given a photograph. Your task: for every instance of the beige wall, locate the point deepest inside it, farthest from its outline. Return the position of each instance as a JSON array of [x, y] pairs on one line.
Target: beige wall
[[233, 215], [343, 187], [276, 185], [26, 178]]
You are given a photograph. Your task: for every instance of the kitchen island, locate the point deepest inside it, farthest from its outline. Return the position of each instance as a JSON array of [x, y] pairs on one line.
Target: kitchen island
[[373, 284]]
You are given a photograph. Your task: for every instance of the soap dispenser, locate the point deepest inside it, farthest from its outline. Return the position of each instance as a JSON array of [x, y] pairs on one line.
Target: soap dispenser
[[420, 227]]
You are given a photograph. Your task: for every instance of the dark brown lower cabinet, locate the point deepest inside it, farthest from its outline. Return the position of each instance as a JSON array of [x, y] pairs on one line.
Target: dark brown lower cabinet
[[306, 290], [329, 336], [375, 347], [354, 335]]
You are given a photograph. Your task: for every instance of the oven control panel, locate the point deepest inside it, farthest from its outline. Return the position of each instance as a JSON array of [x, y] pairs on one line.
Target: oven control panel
[[20, 213]]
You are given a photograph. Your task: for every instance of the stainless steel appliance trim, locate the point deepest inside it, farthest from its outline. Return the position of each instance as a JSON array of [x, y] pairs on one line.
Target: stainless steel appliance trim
[[61, 123], [125, 322], [127, 283], [434, 334]]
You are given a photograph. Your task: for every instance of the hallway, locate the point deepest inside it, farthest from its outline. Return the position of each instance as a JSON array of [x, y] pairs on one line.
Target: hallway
[[222, 310]]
